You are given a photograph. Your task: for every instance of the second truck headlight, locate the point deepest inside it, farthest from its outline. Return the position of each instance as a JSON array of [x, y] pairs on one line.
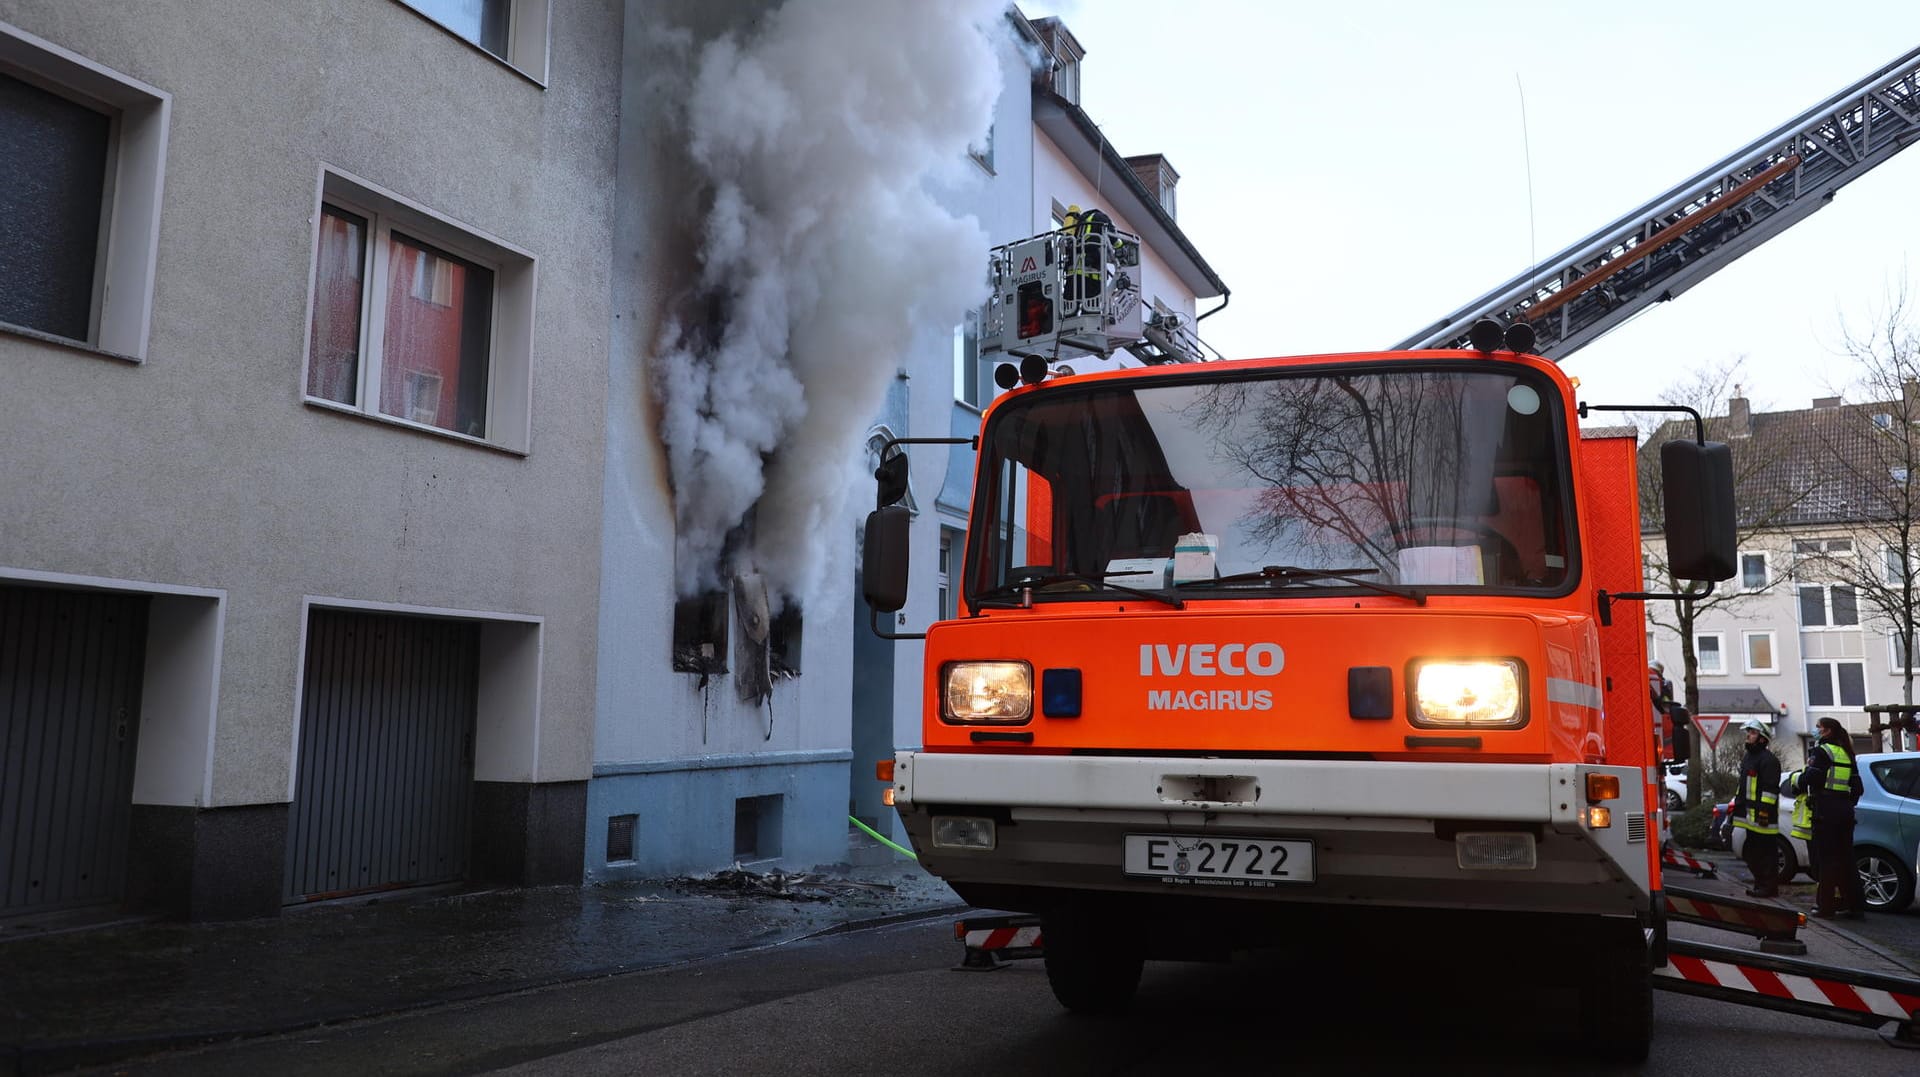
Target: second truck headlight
[[988, 692], [1482, 693]]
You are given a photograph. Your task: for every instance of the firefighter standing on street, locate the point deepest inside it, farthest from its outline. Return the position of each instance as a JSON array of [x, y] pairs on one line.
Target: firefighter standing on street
[[1832, 784], [1756, 811]]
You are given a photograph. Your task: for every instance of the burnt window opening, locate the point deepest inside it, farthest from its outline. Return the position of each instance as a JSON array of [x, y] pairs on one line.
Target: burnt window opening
[[700, 633], [783, 642]]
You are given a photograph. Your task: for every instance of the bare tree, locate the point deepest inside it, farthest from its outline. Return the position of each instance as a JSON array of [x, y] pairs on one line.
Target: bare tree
[[1869, 463], [1768, 487]]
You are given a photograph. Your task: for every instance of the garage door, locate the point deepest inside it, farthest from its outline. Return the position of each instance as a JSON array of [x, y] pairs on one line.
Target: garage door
[[70, 671], [384, 790]]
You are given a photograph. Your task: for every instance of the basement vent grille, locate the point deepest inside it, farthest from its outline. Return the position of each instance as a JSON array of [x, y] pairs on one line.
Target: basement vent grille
[[620, 838], [1636, 827]]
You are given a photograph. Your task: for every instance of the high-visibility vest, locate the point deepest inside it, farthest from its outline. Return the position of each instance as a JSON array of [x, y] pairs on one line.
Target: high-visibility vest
[[1768, 799], [1840, 774], [1802, 827]]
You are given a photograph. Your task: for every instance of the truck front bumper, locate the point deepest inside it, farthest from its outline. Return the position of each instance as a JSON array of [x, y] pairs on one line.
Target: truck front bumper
[[1383, 833]]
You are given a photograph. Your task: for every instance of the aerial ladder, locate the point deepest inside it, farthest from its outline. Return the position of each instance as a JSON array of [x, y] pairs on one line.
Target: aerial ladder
[[1672, 243]]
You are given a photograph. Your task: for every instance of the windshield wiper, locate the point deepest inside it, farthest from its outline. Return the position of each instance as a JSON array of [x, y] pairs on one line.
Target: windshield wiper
[[1288, 575], [1023, 587]]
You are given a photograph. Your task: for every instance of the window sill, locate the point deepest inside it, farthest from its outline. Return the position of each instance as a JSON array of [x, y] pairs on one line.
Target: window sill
[[388, 420], [67, 342]]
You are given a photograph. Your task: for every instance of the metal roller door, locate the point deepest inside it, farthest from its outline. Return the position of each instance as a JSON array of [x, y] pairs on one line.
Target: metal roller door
[[71, 664], [384, 793]]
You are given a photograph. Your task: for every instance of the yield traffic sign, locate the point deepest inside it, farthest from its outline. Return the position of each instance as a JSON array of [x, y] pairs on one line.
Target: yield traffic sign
[[1711, 726]]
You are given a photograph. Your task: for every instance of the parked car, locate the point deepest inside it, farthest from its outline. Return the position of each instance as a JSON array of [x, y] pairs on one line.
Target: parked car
[[1886, 832], [1720, 826], [1675, 783]]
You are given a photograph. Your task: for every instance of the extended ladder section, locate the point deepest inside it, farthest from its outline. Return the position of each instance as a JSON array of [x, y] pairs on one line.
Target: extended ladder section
[[1674, 242]]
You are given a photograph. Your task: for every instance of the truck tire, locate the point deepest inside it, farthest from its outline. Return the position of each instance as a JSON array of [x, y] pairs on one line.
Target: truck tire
[[1092, 968], [1616, 1000]]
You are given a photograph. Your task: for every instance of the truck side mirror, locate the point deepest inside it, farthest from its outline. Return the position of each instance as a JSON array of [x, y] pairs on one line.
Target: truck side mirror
[[883, 557], [1697, 484], [892, 476]]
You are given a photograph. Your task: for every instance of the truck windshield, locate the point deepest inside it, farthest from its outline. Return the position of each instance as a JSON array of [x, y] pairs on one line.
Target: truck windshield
[[1438, 476]]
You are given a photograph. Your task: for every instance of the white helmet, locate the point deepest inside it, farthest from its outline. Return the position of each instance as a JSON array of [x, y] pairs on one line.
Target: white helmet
[[1755, 725]]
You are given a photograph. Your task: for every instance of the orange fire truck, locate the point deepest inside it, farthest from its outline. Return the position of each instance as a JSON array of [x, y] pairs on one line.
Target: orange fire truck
[[1274, 652], [1260, 650]]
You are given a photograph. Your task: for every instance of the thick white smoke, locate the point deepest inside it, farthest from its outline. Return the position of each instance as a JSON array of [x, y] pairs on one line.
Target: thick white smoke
[[815, 133]]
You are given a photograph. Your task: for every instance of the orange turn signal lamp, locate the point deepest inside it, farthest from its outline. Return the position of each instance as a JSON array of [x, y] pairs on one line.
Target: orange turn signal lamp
[[1603, 787], [883, 770]]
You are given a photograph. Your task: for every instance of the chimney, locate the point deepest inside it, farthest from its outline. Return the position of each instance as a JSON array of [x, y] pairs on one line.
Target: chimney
[[1825, 403], [1066, 52], [1739, 416], [1157, 176]]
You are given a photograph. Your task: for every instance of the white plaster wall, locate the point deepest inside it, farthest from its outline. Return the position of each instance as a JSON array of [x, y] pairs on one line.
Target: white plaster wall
[[1056, 179], [202, 467], [647, 711]]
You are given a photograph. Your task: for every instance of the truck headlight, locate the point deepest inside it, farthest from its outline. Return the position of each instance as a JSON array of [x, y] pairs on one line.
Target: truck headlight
[[1481, 693], [988, 692]]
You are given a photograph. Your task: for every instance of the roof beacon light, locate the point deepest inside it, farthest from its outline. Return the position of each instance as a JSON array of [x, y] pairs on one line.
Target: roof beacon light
[[1520, 337], [1486, 335]]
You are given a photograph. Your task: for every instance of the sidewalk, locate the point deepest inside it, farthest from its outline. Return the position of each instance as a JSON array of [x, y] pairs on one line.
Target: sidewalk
[[85, 997], [1830, 942]]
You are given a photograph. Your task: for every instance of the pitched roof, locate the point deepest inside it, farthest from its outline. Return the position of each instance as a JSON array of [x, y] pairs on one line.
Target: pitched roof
[[1833, 464]]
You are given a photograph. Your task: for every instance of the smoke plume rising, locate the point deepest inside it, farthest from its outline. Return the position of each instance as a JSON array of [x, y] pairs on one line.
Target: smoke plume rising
[[823, 256]]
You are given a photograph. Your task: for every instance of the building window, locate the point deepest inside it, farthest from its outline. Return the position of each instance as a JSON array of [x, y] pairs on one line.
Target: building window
[[1817, 550], [1893, 565], [417, 320], [950, 545], [1754, 572], [983, 153], [1898, 654], [1707, 650], [1836, 684], [1828, 606], [1758, 647], [784, 636], [966, 360], [81, 152], [513, 30], [700, 633]]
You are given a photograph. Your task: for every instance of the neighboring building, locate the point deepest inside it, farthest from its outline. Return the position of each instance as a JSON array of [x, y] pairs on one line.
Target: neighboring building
[[304, 322], [1800, 641], [1044, 156]]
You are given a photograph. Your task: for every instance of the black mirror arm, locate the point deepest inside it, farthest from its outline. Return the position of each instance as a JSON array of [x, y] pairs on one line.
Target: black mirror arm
[[1699, 424], [1607, 599]]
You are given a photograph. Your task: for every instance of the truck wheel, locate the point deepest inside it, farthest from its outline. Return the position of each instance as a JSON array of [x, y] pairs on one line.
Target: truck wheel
[[1092, 970], [1616, 1000]]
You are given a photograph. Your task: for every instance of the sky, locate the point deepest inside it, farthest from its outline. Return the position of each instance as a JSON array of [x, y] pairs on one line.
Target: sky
[[1358, 171]]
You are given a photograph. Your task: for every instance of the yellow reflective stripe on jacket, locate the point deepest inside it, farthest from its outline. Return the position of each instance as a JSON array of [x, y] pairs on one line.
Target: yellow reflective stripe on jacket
[[1768, 800]]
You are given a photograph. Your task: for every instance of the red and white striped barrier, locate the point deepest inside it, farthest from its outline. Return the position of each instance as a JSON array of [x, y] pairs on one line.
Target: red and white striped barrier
[[1003, 938], [992, 941], [1756, 918], [1676, 858], [1821, 991]]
